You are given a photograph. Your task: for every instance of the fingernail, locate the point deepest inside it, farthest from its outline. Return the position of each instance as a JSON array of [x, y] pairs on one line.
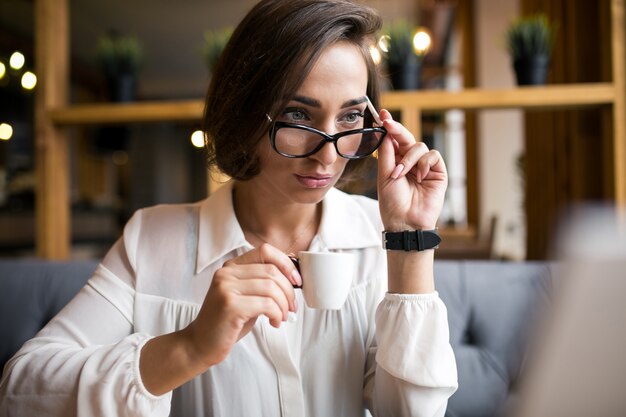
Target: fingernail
[[396, 172], [296, 276]]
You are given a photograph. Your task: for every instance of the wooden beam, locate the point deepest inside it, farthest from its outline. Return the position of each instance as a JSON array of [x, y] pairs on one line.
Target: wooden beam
[[551, 96], [619, 105], [51, 154], [412, 120], [109, 113], [466, 23]]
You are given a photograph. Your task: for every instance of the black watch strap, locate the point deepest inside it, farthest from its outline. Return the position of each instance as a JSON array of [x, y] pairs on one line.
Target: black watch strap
[[411, 240]]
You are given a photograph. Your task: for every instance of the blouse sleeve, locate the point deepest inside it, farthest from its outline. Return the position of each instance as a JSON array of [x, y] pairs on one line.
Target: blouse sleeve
[[85, 361], [415, 368]]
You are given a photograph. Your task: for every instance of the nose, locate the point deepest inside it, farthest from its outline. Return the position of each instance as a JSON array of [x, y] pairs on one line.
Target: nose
[[327, 155]]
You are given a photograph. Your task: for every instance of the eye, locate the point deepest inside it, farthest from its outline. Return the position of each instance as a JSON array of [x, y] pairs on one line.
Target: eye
[[295, 115], [353, 117]]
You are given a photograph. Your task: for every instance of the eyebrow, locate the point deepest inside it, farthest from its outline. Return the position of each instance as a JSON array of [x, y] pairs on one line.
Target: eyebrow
[[316, 103]]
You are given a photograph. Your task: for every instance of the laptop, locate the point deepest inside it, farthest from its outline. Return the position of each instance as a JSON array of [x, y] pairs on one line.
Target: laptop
[[577, 367]]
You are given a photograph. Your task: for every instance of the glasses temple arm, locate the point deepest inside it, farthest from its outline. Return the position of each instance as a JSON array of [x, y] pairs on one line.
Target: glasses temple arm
[[372, 110]]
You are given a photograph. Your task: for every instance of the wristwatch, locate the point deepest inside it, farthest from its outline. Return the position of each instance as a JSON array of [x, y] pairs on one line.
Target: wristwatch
[[411, 240]]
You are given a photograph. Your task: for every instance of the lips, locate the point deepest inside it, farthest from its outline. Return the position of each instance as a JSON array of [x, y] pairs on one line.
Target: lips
[[314, 180]]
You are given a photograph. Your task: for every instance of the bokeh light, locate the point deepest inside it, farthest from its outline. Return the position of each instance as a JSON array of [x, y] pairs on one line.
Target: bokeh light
[[197, 139], [6, 131], [17, 60], [29, 80], [421, 42]]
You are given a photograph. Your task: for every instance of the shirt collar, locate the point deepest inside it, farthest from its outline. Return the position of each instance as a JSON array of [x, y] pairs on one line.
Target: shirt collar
[[345, 224]]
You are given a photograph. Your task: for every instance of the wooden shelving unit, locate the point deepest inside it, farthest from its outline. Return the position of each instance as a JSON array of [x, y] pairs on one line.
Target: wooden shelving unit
[[554, 96], [54, 115]]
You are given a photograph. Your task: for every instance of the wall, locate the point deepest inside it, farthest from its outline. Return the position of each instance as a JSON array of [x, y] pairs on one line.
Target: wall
[[164, 167], [391, 10], [500, 132]]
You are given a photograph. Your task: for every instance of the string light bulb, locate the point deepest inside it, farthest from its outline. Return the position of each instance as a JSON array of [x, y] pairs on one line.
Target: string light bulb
[[29, 80], [6, 131], [421, 41], [197, 139], [17, 60]]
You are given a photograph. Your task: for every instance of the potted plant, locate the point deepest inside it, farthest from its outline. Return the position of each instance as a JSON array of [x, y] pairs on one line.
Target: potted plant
[[403, 54], [120, 59], [530, 41], [214, 43]]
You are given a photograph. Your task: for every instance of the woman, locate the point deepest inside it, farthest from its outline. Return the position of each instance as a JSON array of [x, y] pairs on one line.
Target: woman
[[197, 297]]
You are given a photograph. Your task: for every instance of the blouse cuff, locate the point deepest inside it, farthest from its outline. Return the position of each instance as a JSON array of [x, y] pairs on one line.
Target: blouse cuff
[[431, 296], [413, 339], [137, 374]]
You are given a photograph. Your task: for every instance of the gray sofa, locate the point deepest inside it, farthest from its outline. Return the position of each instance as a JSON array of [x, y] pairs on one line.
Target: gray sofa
[[491, 308]]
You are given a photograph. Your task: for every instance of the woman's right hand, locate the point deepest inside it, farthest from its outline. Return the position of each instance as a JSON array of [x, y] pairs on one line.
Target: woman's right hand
[[259, 282]]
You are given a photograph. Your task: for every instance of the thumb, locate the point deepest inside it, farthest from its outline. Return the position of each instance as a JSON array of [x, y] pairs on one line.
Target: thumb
[[386, 159]]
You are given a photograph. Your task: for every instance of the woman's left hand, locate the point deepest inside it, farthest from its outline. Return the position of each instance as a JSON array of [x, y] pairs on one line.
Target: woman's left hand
[[412, 180]]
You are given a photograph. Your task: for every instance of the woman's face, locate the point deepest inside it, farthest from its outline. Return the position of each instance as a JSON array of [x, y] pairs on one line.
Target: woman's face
[[330, 99]]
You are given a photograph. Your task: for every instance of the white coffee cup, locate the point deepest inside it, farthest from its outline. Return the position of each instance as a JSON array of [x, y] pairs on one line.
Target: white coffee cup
[[326, 278]]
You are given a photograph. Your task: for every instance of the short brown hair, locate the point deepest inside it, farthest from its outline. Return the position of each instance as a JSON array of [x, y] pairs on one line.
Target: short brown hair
[[267, 58]]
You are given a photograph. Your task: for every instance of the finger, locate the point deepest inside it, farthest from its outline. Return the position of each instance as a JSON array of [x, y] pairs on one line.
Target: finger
[[254, 306], [387, 151], [409, 160], [401, 134], [386, 159], [269, 273], [268, 254], [430, 166], [385, 115], [266, 288]]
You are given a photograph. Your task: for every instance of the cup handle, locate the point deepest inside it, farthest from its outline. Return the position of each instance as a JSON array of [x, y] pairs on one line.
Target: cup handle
[[296, 263]]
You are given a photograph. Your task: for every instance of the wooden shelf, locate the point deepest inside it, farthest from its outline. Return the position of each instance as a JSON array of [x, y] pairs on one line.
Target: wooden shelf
[[89, 114], [553, 96]]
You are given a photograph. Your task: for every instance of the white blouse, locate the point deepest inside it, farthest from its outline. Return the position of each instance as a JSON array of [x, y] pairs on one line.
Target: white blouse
[[389, 353]]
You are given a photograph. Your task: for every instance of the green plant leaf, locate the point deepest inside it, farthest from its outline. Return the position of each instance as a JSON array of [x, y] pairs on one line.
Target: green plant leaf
[[530, 36], [214, 43], [117, 54]]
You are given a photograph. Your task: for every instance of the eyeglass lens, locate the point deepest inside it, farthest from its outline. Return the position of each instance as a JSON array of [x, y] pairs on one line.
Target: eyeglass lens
[[297, 142]]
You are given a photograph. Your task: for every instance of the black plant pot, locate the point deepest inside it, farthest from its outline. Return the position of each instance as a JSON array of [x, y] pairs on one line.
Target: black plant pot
[[532, 70], [406, 75], [122, 87]]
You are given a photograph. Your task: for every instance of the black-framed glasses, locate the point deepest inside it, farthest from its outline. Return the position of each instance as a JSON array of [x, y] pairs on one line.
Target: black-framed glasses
[[299, 141]]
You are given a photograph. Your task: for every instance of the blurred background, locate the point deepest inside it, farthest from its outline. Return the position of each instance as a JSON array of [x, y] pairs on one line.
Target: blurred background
[[514, 172]]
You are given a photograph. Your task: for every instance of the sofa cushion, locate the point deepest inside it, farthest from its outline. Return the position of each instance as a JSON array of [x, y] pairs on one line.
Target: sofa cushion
[[37, 290], [492, 307]]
